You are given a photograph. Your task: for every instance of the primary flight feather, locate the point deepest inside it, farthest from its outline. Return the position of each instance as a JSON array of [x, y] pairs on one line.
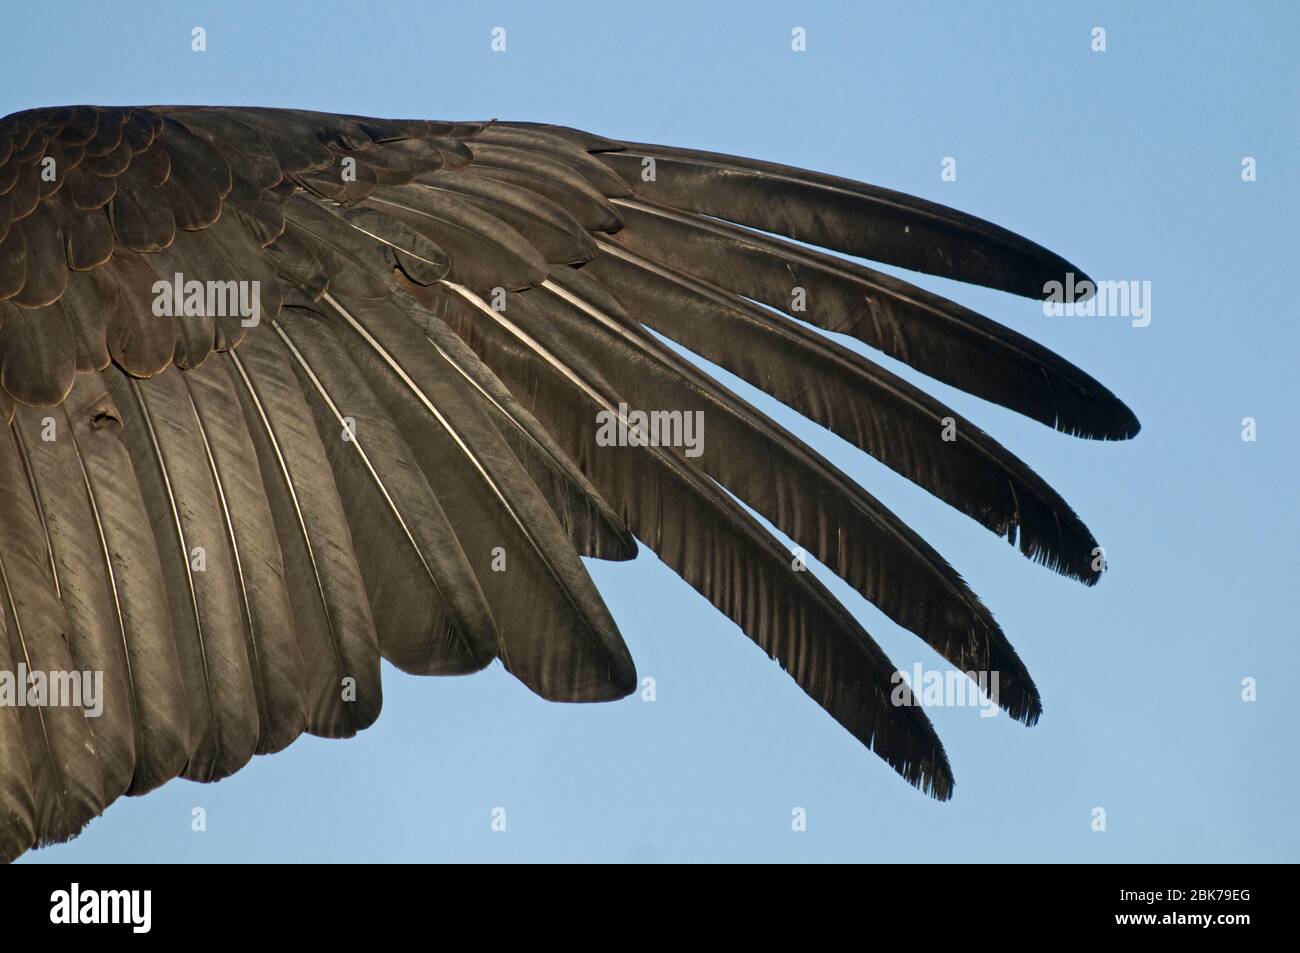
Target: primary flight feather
[[291, 392]]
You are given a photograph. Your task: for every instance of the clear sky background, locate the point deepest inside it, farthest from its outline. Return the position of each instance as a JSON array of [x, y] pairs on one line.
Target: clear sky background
[[1127, 162]]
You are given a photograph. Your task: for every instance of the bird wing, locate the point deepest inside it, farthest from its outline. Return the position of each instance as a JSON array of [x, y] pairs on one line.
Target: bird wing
[[289, 392]]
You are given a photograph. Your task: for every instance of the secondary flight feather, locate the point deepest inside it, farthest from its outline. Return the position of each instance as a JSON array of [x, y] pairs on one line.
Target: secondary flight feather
[[290, 392]]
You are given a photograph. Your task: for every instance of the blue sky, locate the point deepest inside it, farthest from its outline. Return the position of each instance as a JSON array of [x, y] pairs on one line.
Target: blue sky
[[1128, 162]]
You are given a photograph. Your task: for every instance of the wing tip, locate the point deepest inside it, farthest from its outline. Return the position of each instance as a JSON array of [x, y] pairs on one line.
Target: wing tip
[[1102, 416], [1026, 707], [931, 775]]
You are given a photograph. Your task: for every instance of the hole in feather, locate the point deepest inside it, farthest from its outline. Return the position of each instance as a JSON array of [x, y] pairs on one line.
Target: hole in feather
[[102, 419]]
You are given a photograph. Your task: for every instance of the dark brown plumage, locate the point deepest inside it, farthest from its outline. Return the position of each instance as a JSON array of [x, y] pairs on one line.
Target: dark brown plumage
[[373, 428]]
